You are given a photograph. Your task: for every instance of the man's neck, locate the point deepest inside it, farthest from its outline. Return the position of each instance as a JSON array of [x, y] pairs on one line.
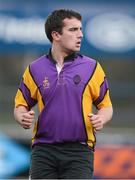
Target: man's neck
[[58, 55]]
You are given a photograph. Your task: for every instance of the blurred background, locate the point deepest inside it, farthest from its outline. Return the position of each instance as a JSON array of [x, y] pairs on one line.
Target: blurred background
[[109, 37]]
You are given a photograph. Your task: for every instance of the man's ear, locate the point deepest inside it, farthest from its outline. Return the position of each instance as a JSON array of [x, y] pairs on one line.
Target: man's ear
[[55, 35]]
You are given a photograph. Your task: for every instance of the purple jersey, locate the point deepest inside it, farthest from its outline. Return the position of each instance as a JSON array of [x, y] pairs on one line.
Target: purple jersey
[[64, 99]]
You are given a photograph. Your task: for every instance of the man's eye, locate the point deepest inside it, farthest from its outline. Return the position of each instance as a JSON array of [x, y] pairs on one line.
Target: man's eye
[[73, 29]]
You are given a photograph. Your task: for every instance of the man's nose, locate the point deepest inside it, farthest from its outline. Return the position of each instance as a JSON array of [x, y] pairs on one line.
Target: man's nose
[[80, 34]]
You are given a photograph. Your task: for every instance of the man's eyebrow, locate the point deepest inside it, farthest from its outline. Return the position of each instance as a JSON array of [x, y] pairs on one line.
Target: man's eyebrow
[[75, 28]]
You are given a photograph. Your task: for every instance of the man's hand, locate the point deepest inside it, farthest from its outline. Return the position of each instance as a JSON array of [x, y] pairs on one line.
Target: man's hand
[[27, 119], [102, 117], [24, 117], [96, 121]]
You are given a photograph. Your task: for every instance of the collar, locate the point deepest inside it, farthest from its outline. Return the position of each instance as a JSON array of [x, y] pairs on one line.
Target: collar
[[69, 58]]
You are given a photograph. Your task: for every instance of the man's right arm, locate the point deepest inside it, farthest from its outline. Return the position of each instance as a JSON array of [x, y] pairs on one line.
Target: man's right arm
[[23, 116]]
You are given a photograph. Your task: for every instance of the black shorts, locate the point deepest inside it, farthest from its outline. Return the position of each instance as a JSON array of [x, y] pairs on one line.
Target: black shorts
[[71, 160]]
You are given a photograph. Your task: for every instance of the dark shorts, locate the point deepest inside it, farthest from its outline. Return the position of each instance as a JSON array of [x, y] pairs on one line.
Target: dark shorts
[[61, 161]]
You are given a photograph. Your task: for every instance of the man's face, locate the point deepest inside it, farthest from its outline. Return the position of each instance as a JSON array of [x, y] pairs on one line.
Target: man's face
[[70, 39]]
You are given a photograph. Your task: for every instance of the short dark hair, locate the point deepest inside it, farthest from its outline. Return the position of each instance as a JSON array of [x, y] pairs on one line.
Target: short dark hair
[[54, 21]]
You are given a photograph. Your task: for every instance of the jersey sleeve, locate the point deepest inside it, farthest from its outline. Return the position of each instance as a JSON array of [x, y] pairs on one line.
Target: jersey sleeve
[[99, 88], [27, 92]]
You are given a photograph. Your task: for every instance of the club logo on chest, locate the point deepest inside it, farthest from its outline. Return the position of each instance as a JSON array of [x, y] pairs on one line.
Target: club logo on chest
[[46, 83]]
